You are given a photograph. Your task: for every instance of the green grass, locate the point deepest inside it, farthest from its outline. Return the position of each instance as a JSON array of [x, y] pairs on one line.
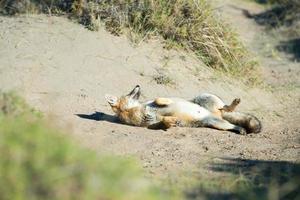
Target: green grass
[[188, 24], [39, 162]]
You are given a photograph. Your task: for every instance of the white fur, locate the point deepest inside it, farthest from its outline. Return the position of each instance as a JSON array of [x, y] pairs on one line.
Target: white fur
[[131, 103], [112, 100], [190, 109], [218, 103]]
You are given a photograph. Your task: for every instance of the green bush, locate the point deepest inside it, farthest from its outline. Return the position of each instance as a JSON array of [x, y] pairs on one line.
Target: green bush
[[37, 162], [11, 105]]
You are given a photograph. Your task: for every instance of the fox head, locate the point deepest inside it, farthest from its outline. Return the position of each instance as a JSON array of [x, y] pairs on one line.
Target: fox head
[[124, 103]]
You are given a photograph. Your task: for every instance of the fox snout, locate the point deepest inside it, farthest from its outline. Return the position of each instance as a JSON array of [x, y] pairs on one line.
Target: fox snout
[[123, 103]]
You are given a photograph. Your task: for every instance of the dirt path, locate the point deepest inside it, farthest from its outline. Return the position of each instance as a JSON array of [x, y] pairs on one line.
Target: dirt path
[[65, 70], [278, 68], [280, 72]]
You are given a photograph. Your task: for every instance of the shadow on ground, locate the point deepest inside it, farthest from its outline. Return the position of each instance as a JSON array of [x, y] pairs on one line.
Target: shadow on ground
[[291, 47], [100, 116], [286, 16], [276, 16], [261, 1], [283, 14], [253, 179]]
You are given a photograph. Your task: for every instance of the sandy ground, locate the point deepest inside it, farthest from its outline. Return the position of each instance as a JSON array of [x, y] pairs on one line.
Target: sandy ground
[[64, 70]]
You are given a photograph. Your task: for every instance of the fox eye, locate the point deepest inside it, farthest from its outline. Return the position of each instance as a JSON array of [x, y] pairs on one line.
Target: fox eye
[[112, 100]]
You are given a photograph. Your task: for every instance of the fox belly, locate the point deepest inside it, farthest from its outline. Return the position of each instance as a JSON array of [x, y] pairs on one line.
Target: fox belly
[[185, 111]]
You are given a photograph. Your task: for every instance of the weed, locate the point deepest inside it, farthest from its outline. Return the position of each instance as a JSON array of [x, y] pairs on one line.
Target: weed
[[163, 79]]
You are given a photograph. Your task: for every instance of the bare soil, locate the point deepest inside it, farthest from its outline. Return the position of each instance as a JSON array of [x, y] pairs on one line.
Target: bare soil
[[64, 70]]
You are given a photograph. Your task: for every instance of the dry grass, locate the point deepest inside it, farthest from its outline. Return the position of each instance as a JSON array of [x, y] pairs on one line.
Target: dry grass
[[189, 24], [185, 23], [163, 79]]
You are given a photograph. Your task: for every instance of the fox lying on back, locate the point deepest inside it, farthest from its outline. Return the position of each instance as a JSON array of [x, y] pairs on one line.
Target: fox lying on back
[[205, 110]]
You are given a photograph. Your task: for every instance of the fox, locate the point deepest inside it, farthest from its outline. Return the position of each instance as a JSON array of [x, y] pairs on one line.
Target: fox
[[205, 110]]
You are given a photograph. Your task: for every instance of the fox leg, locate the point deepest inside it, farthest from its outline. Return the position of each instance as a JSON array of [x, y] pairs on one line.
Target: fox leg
[[165, 123], [232, 106], [221, 124], [162, 101], [169, 121]]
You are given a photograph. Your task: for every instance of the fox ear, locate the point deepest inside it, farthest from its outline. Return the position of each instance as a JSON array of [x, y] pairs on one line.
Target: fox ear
[[136, 92], [112, 100]]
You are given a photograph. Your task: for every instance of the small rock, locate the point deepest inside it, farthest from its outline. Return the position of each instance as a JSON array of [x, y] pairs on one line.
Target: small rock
[[205, 148]]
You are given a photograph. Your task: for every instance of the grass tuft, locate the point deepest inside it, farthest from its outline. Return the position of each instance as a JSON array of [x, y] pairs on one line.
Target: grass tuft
[[190, 24]]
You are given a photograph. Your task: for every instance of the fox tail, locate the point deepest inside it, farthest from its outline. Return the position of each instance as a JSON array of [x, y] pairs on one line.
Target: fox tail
[[247, 121]]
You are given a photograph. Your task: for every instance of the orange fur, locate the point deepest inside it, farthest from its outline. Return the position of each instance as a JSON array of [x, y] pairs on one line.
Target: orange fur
[[169, 121], [184, 119], [218, 113], [131, 116]]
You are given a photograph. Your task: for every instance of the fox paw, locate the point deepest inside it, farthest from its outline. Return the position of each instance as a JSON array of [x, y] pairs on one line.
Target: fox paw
[[242, 131], [232, 106], [170, 121], [162, 101], [236, 101]]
